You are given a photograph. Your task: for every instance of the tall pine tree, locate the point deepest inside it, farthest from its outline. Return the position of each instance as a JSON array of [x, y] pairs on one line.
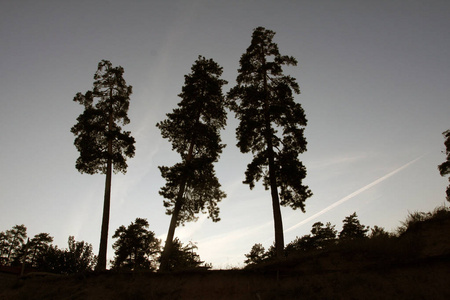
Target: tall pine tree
[[194, 131], [263, 102], [103, 145], [444, 168]]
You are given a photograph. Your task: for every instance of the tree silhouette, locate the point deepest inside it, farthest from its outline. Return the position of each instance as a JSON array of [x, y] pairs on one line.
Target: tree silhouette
[[257, 255], [323, 235], [193, 129], [102, 144], [11, 243], [77, 258], [444, 168], [263, 102], [352, 228], [37, 246], [184, 257], [136, 246], [378, 232]]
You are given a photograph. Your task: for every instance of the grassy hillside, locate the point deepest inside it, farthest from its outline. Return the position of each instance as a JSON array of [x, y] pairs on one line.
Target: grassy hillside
[[413, 265]]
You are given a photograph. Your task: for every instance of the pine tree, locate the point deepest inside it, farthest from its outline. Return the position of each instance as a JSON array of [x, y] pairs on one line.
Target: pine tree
[[14, 241], [102, 144], [263, 102], [136, 246], [193, 129], [323, 235], [352, 228], [257, 255], [444, 168], [184, 257], [36, 247]]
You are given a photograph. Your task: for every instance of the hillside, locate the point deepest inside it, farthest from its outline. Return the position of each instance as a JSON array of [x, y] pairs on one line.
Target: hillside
[[415, 265]]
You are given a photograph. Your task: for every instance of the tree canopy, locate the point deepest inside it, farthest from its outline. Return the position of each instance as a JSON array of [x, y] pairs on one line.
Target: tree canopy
[[184, 257], [257, 255], [99, 126], [11, 244], [352, 228], [37, 247], [78, 257]]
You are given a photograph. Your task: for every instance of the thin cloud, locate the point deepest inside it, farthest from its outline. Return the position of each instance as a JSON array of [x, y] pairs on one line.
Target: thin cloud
[[356, 193], [337, 160]]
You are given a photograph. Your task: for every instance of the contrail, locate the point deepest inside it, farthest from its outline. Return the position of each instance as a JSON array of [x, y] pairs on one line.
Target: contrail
[[346, 198]]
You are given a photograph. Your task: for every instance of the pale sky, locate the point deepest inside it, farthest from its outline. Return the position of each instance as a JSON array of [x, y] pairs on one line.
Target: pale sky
[[375, 83]]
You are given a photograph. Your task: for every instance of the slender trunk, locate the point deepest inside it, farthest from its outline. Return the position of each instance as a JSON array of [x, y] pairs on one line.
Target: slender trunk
[[24, 258], [10, 249], [278, 222], [168, 246], [102, 253]]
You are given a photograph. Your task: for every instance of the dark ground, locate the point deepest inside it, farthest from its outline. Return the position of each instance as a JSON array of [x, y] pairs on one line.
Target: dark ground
[[415, 266]]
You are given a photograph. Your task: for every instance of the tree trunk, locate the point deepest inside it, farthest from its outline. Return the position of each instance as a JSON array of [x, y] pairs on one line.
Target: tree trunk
[[10, 250], [24, 258], [278, 222], [101, 264], [168, 246], [102, 253], [166, 254]]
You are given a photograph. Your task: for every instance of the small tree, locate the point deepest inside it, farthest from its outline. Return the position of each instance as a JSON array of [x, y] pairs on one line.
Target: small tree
[[444, 168], [37, 246], [378, 232], [194, 131], [184, 257], [102, 144], [263, 102], [77, 258], [323, 235], [52, 260], [352, 228], [136, 246], [80, 256], [257, 255], [300, 244], [11, 243]]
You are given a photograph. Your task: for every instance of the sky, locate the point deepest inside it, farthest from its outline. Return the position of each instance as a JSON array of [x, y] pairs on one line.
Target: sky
[[374, 79]]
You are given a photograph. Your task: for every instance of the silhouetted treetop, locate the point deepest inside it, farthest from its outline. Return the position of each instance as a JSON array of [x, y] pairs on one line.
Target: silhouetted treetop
[[106, 108], [352, 228]]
